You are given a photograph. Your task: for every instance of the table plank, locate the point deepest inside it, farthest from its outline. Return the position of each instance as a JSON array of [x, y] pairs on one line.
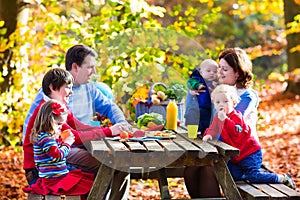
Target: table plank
[[100, 150], [206, 149], [153, 146], [117, 147], [181, 129], [224, 149], [170, 147], [136, 147]]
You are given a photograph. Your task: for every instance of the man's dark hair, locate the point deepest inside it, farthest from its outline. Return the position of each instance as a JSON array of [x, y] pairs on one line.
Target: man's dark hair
[[77, 54], [56, 77]]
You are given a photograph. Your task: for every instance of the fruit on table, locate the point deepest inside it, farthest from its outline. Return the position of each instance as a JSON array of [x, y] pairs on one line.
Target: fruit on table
[[156, 128], [124, 135], [139, 133], [64, 134], [151, 124]]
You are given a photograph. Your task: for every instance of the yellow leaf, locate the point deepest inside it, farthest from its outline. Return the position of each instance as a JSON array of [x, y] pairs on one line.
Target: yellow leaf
[[296, 70]]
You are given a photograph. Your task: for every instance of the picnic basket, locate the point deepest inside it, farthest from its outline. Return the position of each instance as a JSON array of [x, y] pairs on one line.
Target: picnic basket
[[148, 107]]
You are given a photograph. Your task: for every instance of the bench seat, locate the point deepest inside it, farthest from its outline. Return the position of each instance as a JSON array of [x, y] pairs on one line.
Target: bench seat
[[51, 197], [251, 191]]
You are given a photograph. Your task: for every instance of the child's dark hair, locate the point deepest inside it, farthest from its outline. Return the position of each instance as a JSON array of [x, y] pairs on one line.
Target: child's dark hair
[[50, 112], [56, 77]]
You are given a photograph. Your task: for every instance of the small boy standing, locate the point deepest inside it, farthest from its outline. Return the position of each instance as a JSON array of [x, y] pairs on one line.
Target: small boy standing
[[198, 102], [235, 132]]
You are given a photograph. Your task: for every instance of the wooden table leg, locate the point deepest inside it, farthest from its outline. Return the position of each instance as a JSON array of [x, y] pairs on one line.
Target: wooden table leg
[[101, 183], [225, 180], [121, 185], [163, 184]]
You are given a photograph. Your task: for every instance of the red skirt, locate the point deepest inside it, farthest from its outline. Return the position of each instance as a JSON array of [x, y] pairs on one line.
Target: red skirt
[[76, 182]]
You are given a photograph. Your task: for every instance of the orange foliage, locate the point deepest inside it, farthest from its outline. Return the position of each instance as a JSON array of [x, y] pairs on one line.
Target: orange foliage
[[279, 133]]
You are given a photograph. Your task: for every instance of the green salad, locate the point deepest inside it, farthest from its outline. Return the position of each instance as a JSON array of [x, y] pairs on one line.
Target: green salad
[[144, 119]]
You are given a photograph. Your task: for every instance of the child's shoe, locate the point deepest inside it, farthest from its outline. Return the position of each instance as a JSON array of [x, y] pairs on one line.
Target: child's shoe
[[288, 181]]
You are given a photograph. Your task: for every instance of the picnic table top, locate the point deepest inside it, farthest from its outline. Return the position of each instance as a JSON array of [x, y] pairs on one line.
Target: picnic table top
[[179, 151], [157, 155]]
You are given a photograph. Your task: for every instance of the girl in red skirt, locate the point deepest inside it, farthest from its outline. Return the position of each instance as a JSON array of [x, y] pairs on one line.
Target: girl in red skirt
[[50, 150]]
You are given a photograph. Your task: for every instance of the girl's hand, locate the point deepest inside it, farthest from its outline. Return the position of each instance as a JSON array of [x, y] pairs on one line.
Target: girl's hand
[[207, 137], [222, 115], [64, 134], [119, 127], [70, 139]]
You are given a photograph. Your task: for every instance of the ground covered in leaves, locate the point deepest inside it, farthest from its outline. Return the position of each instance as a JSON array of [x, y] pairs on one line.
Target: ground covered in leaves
[[279, 132]]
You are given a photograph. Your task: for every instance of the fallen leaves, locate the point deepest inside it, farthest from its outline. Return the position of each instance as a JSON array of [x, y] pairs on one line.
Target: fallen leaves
[[12, 178], [278, 129]]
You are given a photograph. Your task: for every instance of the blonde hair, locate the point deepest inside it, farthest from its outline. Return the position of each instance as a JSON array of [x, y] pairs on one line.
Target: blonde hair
[[46, 118], [228, 90], [208, 62]]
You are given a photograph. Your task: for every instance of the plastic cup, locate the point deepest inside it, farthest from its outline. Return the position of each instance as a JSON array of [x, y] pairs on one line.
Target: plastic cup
[[192, 131], [95, 123]]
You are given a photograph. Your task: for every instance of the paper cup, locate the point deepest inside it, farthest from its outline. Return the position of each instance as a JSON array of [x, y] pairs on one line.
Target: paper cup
[[192, 131]]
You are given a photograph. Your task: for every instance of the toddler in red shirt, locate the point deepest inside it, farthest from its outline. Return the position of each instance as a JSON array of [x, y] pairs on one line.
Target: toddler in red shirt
[[235, 132]]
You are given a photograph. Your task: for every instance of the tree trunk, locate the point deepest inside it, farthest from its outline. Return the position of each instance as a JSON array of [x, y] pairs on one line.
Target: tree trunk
[[8, 13], [291, 9]]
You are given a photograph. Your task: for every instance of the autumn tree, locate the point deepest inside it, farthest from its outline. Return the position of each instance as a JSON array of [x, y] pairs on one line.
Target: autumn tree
[[8, 22], [292, 23], [150, 41]]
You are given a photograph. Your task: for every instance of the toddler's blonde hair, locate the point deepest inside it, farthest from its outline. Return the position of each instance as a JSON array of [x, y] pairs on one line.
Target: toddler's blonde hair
[[208, 62], [228, 90]]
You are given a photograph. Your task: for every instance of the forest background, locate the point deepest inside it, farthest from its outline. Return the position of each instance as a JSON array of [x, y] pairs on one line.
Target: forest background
[[133, 38]]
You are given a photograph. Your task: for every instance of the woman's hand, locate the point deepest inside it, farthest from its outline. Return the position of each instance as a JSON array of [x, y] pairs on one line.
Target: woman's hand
[[207, 137]]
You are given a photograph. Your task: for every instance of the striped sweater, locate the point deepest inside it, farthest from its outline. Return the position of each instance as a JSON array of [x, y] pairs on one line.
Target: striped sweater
[[50, 156]]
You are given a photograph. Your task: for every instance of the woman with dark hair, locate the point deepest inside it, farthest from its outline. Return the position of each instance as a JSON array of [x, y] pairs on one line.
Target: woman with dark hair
[[235, 68]]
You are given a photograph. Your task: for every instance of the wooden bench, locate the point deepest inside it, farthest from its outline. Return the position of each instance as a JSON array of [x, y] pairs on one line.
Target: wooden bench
[[51, 197], [251, 191], [248, 191]]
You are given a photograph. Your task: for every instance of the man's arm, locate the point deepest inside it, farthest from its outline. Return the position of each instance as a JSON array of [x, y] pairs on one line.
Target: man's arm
[[34, 104], [108, 108]]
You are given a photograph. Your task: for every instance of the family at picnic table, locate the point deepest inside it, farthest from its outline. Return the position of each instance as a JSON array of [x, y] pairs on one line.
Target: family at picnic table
[[57, 128]]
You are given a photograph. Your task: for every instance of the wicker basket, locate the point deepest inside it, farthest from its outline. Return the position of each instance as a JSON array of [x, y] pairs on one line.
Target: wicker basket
[[148, 106]]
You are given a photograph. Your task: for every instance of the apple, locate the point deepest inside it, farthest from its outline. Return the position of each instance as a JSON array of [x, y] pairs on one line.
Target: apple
[[124, 135]]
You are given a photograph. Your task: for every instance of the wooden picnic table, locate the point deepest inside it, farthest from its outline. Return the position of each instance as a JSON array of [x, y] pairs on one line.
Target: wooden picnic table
[[155, 156]]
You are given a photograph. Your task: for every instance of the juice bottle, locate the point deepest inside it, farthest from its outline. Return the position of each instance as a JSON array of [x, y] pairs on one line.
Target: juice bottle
[[171, 117]]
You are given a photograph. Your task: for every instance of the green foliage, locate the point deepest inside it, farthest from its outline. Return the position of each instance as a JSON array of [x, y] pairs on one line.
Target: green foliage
[[144, 119], [135, 46]]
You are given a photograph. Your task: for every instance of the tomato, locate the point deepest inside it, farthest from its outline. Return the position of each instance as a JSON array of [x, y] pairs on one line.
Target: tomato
[[124, 135], [130, 134]]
